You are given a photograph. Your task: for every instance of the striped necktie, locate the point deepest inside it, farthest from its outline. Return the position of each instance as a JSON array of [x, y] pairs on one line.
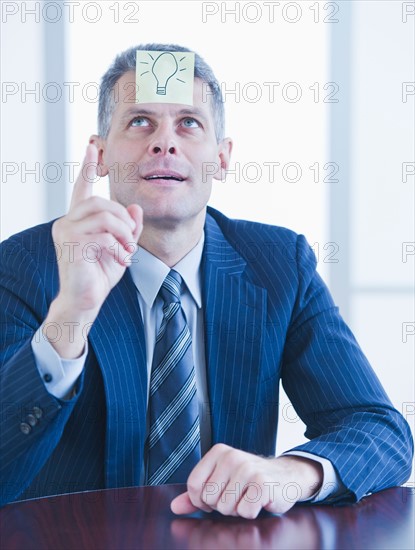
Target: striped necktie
[[173, 442]]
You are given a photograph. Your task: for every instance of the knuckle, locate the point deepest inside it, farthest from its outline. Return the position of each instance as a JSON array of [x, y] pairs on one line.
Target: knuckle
[[257, 478], [111, 242], [223, 507], [95, 201], [247, 511], [196, 500], [233, 463], [235, 460], [220, 447], [245, 469], [105, 217], [107, 241], [193, 488]]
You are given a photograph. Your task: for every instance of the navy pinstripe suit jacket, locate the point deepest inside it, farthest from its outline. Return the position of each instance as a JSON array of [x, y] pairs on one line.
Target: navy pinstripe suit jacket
[[268, 316]]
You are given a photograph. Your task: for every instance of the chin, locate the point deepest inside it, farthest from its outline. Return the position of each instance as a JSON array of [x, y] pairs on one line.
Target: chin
[[167, 218], [160, 216]]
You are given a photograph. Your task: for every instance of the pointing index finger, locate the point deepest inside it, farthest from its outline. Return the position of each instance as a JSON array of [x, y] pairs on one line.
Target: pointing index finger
[[82, 189]]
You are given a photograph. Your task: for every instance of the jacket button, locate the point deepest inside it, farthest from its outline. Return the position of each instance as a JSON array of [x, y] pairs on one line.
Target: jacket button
[[31, 419], [47, 377], [25, 428], [37, 411]]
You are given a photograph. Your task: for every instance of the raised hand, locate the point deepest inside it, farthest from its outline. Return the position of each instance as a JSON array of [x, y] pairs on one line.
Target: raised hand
[[94, 242]]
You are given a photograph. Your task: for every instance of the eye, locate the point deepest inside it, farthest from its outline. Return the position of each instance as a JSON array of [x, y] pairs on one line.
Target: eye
[[139, 121], [190, 123]]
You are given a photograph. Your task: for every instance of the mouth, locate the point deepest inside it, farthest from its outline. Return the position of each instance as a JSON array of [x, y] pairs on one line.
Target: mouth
[[164, 176]]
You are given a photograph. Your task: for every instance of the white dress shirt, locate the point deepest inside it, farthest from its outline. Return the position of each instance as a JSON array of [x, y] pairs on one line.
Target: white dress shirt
[[148, 274]]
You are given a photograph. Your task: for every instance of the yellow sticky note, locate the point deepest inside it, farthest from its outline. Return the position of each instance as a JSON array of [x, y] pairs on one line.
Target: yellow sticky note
[[165, 77]]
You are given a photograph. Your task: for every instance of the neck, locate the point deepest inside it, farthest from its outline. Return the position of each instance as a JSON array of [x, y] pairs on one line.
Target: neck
[[171, 244]]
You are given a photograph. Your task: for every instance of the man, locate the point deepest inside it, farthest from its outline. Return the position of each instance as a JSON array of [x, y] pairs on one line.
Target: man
[[87, 322]]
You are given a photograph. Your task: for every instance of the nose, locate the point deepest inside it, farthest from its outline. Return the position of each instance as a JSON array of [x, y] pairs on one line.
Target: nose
[[157, 149], [163, 142]]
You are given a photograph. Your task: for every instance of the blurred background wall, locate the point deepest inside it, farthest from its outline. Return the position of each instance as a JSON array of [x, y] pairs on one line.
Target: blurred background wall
[[319, 99]]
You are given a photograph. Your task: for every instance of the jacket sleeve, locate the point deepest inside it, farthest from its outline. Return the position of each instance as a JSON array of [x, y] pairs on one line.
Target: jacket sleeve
[[350, 419], [32, 420]]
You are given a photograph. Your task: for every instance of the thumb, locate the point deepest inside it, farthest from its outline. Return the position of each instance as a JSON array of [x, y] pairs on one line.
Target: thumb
[[136, 213], [183, 505]]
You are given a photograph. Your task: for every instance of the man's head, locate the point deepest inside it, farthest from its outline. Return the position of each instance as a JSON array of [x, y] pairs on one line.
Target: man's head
[[162, 156], [126, 61]]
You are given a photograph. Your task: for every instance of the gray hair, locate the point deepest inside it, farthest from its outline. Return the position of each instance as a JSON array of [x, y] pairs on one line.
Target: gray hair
[[126, 61]]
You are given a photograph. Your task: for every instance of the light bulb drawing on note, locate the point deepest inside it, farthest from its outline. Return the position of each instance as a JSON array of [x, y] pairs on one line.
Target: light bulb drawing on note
[[163, 68], [164, 77]]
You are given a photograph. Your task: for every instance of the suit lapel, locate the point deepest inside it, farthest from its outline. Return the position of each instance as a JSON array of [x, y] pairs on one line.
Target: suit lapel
[[118, 340], [235, 313]]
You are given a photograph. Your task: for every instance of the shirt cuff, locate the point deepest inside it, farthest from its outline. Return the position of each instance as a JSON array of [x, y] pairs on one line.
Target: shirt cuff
[[59, 375], [331, 485]]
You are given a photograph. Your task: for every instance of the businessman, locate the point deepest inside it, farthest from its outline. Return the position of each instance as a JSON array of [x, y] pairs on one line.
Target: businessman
[[126, 364]]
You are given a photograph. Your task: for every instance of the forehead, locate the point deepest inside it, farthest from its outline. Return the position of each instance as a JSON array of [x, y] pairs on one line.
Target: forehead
[[124, 94]]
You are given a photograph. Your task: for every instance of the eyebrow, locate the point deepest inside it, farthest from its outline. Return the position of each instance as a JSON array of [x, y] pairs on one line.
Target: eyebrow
[[193, 111], [138, 111]]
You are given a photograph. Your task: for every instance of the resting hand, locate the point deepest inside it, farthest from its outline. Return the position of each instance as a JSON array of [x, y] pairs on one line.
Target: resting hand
[[237, 483]]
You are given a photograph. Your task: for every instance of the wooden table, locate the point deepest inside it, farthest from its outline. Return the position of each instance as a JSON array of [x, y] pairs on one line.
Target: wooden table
[[141, 518]]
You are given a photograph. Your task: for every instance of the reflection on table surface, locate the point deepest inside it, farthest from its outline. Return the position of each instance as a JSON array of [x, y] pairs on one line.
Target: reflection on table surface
[[141, 518]]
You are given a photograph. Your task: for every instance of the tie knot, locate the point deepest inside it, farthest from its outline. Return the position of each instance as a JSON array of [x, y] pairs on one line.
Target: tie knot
[[170, 289]]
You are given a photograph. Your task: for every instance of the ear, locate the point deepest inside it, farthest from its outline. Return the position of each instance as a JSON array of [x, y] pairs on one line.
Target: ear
[[100, 144], [224, 153]]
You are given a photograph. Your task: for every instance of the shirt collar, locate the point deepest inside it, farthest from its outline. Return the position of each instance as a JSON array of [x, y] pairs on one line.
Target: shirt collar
[[148, 273]]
